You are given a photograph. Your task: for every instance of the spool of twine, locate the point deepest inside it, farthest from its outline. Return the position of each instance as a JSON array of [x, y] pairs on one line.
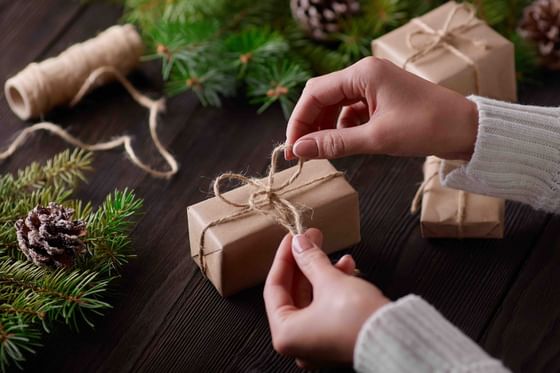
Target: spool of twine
[[56, 81], [67, 78]]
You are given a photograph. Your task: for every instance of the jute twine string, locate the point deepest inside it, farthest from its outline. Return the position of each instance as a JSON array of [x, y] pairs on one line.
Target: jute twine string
[[39, 87], [461, 197], [154, 106], [444, 38], [266, 199]]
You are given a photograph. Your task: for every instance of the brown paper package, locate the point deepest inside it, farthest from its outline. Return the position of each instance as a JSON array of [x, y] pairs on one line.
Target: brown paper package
[[238, 254], [483, 216], [496, 68], [496, 63]]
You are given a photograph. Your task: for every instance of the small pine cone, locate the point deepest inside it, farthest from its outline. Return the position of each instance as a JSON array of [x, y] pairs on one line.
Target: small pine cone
[[541, 24], [321, 18], [49, 237]]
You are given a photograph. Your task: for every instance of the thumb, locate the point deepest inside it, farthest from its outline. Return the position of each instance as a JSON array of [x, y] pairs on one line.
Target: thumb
[[312, 261], [334, 143]]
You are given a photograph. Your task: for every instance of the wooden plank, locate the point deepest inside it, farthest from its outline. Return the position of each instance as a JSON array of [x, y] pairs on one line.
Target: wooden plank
[[525, 330], [29, 28], [167, 317]]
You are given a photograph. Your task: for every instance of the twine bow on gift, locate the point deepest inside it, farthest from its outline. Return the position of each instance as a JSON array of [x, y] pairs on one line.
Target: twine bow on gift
[[461, 197], [446, 37], [267, 199]]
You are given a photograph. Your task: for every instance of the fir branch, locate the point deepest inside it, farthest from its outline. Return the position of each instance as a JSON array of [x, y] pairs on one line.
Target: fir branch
[[201, 75], [108, 232], [254, 46], [221, 54], [171, 41], [68, 296], [16, 341], [30, 295], [278, 82]]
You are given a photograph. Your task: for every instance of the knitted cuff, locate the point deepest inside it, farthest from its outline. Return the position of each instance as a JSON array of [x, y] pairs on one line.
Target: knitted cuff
[[516, 155], [409, 335]]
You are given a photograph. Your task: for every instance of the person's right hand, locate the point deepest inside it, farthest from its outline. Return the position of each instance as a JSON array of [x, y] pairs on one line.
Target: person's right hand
[[316, 309], [375, 107]]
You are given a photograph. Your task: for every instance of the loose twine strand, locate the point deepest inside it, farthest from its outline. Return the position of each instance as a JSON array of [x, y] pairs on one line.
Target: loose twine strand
[[444, 37], [154, 107], [266, 200]]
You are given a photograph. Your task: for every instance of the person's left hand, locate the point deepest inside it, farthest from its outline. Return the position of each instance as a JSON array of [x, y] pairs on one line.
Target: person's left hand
[[316, 309]]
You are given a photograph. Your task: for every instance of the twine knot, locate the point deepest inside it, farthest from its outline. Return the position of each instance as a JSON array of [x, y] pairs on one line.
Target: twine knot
[[266, 199], [446, 37]]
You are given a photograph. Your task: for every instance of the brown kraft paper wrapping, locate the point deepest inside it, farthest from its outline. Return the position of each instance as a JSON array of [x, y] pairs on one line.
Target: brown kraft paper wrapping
[[451, 213], [239, 253], [471, 59], [491, 53]]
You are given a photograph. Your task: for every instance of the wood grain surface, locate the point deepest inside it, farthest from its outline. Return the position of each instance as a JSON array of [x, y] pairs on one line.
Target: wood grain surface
[[505, 294]]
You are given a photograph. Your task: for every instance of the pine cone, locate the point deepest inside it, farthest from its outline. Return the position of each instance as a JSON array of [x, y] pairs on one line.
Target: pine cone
[[541, 24], [321, 18], [49, 237]]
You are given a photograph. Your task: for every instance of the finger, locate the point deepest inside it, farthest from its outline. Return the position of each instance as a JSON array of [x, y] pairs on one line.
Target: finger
[[312, 261], [333, 143], [353, 115], [277, 297], [315, 235], [346, 264], [302, 291], [334, 89]]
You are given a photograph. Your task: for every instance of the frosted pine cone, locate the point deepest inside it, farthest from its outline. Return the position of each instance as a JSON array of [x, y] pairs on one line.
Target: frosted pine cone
[[541, 24], [321, 18], [49, 237]]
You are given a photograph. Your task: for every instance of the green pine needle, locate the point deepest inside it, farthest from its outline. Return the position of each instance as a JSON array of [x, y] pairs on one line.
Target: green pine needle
[[278, 82], [224, 42], [254, 46], [208, 81], [36, 299]]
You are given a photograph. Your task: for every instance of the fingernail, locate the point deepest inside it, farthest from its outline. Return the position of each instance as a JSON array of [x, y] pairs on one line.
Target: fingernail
[[306, 148], [300, 243], [287, 151]]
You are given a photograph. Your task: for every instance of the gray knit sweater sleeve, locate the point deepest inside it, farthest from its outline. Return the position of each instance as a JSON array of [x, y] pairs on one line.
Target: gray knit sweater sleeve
[[409, 335], [517, 157]]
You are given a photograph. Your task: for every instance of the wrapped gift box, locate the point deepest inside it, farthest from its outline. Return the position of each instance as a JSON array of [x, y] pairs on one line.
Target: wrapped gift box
[[492, 56], [451, 47], [452, 213], [238, 254]]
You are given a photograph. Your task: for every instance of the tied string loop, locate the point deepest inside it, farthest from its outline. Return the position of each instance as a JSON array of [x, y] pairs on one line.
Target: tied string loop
[[154, 107], [423, 188], [445, 37], [266, 199]]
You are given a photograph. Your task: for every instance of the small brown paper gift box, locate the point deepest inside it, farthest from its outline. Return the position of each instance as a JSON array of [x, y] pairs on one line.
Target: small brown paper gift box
[[453, 213], [238, 254], [451, 47]]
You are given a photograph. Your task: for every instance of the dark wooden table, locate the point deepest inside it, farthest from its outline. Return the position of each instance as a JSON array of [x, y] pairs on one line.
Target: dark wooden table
[[504, 294]]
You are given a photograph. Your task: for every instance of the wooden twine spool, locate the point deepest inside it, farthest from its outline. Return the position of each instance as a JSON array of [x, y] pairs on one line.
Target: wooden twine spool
[[56, 81]]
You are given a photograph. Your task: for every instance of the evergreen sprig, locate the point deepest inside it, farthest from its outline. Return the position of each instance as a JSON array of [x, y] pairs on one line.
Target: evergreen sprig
[[218, 48], [34, 300]]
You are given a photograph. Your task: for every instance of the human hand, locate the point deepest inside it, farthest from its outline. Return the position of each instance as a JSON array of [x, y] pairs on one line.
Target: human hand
[[375, 107], [316, 310]]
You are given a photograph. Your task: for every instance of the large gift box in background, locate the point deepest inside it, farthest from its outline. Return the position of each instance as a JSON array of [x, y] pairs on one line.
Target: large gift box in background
[[237, 254], [451, 47]]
